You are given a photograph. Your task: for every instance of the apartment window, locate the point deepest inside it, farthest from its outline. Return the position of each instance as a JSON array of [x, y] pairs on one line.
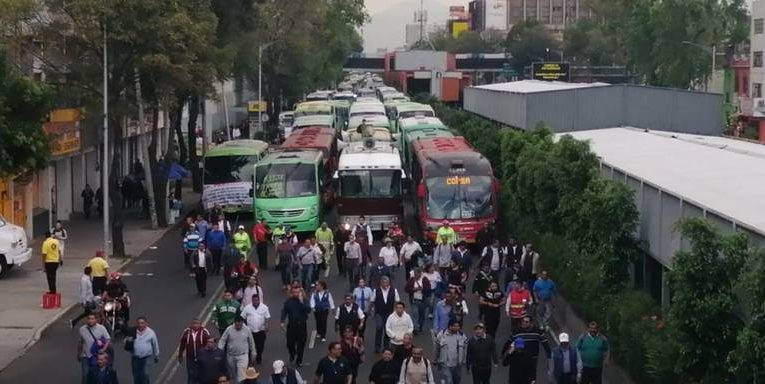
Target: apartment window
[[756, 89], [757, 59], [758, 26]]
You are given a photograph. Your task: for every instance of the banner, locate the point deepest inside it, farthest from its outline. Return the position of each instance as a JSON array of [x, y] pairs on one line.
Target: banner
[[65, 137], [227, 194]]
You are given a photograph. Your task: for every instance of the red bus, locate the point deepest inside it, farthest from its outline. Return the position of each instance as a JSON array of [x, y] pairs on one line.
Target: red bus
[[455, 183]]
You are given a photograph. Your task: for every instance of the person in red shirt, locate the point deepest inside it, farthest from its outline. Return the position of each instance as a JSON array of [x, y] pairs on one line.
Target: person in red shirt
[[261, 233], [193, 340], [518, 302]]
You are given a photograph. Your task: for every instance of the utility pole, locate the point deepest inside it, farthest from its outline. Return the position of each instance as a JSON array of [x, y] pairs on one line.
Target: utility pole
[[105, 161], [144, 148], [261, 48]]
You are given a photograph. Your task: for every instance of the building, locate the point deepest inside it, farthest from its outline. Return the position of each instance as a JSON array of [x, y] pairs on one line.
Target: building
[[566, 107], [677, 175], [503, 14], [431, 72]]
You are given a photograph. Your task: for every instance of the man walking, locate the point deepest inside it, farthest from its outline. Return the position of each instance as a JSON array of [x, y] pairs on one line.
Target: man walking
[[451, 352], [342, 234], [593, 349], [398, 324], [216, 241], [353, 260], [102, 373], [334, 368], [418, 288], [544, 294], [242, 241], [256, 316], [384, 301], [211, 363], [60, 233], [566, 365], [191, 241], [363, 296], [481, 355], [94, 340], [261, 233], [87, 299], [225, 311], [530, 265], [284, 375], [349, 315], [385, 370], [99, 270], [193, 339], [199, 261], [307, 256], [145, 352], [408, 253], [87, 200], [294, 320], [416, 369], [51, 259], [533, 338], [240, 349], [326, 239]]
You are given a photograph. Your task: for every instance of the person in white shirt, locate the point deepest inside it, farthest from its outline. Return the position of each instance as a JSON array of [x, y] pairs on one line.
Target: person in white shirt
[[434, 278], [321, 304], [256, 316], [385, 298], [399, 323], [349, 315], [253, 288], [408, 249], [236, 133], [353, 260], [390, 257], [199, 261], [60, 234], [87, 299]]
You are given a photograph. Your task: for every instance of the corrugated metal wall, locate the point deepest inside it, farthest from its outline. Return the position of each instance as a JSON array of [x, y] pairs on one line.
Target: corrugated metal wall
[[662, 109]]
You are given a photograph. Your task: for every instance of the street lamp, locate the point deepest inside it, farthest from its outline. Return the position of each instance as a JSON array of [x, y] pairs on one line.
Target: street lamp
[[261, 48], [547, 54], [711, 50]]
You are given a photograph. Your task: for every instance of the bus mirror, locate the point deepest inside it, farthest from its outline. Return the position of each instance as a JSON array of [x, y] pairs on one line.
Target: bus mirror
[[421, 191], [336, 175]]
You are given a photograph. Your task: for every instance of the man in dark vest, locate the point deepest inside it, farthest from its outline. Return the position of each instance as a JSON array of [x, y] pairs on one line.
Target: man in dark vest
[[284, 375], [513, 261], [383, 304], [566, 364], [349, 315]]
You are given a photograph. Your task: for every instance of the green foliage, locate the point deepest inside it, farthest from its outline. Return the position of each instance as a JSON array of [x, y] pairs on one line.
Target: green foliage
[[23, 106], [587, 43], [466, 42], [528, 42]]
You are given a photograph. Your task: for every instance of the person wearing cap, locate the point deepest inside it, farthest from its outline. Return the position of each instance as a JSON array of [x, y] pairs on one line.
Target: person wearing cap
[[516, 357], [390, 257], [566, 365], [451, 352], [99, 270], [211, 362], [284, 375], [481, 355], [242, 241], [446, 234], [239, 345]]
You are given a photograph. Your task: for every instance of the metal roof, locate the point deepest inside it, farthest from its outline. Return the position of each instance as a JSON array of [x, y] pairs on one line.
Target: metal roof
[[723, 176], [382, 156], [420, 120], [532, 86], [373, 120], [311, 138], [291, 156]]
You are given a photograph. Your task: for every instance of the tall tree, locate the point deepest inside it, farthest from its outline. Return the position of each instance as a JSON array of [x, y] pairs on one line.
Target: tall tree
[[23, 106], [527, 42]]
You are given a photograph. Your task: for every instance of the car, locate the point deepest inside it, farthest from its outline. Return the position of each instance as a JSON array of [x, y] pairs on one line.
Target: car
[[14, 248]]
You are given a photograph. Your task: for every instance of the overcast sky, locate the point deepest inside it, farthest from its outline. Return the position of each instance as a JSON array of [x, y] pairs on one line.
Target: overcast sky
[[390, 17]]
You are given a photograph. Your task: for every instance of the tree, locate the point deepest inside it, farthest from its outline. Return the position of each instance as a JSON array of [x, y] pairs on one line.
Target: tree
[[528, 42], [588, 42], [24, 103], [748, 359], [702, 318]]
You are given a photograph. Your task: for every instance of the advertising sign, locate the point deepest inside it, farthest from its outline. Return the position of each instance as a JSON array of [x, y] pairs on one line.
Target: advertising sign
[[65, 137], [495, 14], [256, 106], [458, 27], [550, 71], [226, 194]]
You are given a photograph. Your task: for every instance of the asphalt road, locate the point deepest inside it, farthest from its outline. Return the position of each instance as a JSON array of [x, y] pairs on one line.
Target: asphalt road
[[163, 291]]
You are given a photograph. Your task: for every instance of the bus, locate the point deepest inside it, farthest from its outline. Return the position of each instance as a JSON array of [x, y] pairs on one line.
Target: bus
[[454, 183], [419, 128], [227, 174], [369, 181], [293, 184], [311, 108]]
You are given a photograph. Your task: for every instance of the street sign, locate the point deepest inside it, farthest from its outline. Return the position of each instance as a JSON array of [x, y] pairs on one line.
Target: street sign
[[256, 106], [550, 71]]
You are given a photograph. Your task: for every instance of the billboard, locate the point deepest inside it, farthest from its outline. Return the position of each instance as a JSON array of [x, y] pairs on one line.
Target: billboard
[[495, 12], [458, 27], [550, 71]]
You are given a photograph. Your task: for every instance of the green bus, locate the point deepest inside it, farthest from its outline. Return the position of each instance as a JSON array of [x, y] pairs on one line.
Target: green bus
[[293, 184], [406, 109], [227, 174]]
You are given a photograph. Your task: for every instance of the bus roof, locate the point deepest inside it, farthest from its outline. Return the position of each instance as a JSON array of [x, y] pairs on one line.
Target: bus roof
[[421, 121], [426, 134], [382, 156], [314, 106], [238, 148], [319, 138], [314, 120], [444, 156], [407, 106], [304, 156]]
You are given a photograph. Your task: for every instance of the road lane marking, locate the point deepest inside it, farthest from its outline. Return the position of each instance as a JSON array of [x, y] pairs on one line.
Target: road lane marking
[[171, 367], [312, 342]]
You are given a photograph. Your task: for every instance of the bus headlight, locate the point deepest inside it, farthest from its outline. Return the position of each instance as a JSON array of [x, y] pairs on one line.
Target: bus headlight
[[313, 211]]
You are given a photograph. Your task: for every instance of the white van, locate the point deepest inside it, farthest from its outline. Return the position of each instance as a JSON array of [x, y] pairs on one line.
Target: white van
[[14, 248]]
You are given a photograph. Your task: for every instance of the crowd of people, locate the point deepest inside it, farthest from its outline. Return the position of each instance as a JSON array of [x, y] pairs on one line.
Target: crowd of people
[[438, 275]]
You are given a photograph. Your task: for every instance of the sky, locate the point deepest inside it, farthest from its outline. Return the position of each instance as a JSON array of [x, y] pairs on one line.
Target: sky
[[390, 17]]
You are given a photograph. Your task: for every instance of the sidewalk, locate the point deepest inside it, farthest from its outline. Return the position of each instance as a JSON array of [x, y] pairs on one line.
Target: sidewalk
[[22, 319]]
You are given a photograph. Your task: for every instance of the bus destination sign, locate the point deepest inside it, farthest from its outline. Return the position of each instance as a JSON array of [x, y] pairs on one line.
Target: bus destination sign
[[458, 180], [550, 71]]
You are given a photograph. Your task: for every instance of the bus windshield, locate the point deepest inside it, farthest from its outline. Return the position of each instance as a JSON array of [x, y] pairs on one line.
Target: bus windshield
[[459, 197], [407, 114], [228, 169], [276, 181], [366, 183]]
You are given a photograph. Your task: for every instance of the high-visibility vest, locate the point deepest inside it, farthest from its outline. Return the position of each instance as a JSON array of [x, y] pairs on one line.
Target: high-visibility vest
[[518, 302]]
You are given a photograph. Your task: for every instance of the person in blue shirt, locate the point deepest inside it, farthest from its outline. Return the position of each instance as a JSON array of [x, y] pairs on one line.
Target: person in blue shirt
[[202, 226], [544, 294], [145, 351], [443, 312], [293, 321], [216, 241], [363, 297]]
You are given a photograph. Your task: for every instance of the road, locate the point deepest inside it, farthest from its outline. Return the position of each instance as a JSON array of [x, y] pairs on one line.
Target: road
[[163, 291]]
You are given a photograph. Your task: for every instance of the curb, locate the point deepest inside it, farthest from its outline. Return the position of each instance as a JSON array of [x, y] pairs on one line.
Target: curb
[[42, 328]]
